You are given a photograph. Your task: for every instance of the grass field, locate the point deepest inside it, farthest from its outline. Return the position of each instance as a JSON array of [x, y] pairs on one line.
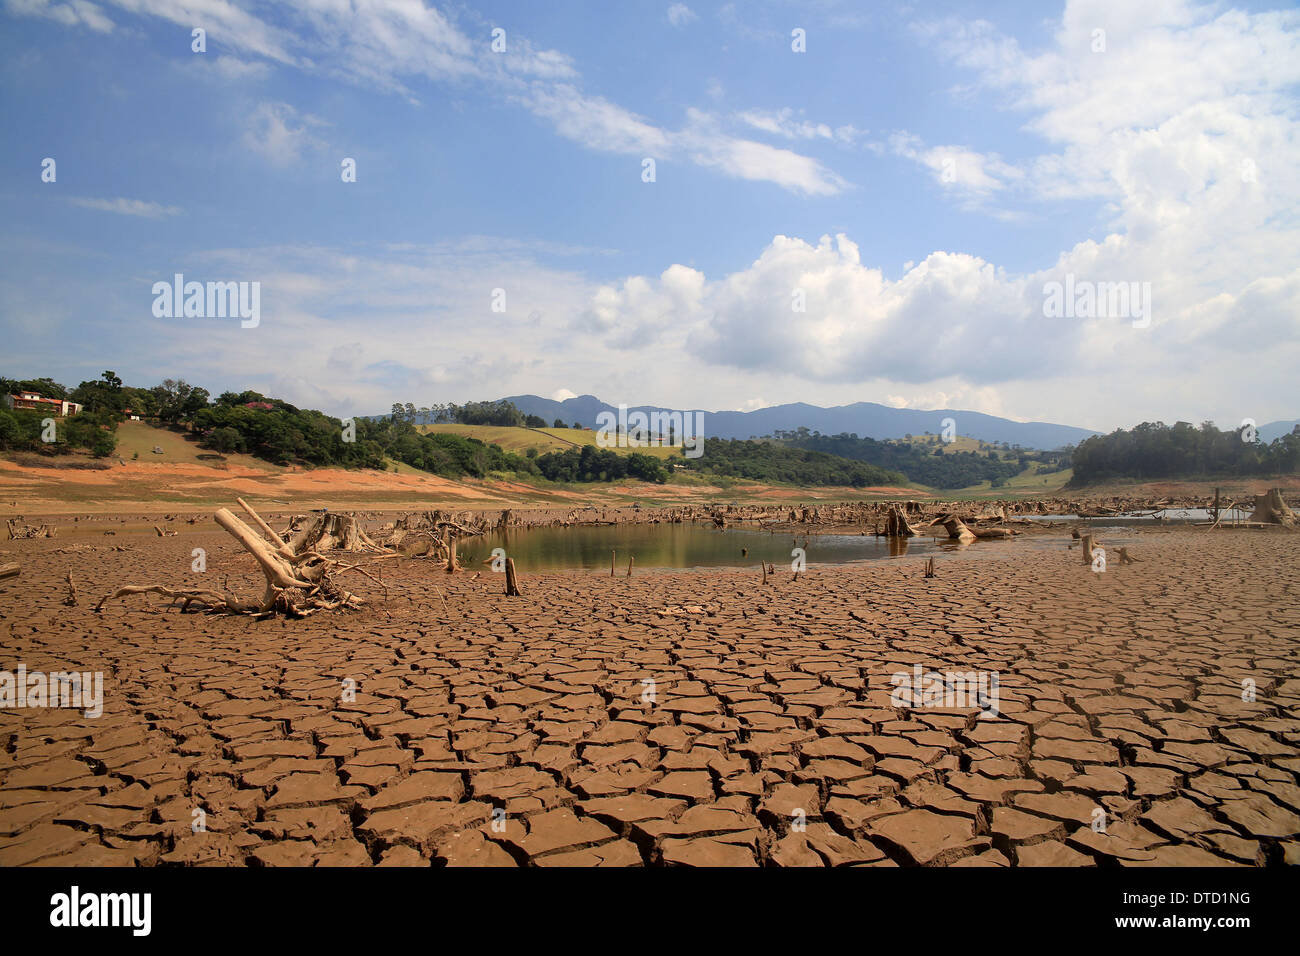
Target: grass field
[[959, 444], [140, 438], [519, 440], [1028, 482]]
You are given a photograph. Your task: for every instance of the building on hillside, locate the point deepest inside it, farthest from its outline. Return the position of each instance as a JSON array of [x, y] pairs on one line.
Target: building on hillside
[[263, 406], [35, 401]]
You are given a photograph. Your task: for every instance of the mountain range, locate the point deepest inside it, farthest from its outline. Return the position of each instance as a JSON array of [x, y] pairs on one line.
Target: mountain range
[[866, 419]]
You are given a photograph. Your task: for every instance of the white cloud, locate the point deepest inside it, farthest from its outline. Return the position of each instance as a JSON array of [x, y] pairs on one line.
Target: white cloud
[[957, 167], [391, 44], [280, 133], [562, 394], [600, 124], [679, 14], [127, 207], [70, 13], [790, 125]]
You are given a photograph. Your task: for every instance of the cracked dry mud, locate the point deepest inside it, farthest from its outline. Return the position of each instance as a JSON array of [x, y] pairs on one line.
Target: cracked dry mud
[[770, 739]]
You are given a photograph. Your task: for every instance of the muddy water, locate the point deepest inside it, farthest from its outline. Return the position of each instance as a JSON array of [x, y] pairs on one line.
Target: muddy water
[[694, 546]]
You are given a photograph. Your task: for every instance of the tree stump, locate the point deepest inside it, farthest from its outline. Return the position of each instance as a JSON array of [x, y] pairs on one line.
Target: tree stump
[[512, 582], [452, 566], [1271, 509], [896, 526]]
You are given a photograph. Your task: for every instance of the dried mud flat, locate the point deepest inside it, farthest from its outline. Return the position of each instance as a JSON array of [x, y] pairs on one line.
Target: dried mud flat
[[769, 737]]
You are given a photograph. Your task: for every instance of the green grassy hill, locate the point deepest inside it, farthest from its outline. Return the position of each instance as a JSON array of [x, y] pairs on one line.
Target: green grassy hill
[[519, 440], [177, 449]]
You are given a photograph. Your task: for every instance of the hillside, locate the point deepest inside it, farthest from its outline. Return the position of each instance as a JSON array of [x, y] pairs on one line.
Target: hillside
[[519, 440], [136, 441]]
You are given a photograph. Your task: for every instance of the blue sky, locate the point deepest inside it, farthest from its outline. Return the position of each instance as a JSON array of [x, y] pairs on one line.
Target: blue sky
[[916, 174]]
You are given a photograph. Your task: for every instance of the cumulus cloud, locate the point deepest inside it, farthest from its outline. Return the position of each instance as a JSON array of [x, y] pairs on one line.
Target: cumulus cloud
[[1197, 184]]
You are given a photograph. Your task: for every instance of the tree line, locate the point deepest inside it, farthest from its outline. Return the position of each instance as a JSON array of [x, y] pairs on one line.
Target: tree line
[[590, 464], [760, 460], [1154, 450], [926, 465]]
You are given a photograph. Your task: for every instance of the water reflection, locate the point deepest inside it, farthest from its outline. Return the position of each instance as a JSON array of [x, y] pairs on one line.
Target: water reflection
[[682, 546]]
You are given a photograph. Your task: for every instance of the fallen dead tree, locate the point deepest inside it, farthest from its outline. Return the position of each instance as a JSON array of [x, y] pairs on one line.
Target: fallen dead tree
[[299, 579], [18, 529], [960, 531]]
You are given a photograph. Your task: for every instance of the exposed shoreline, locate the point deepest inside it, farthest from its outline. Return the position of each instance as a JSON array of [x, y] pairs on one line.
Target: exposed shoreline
[[1120, 691]]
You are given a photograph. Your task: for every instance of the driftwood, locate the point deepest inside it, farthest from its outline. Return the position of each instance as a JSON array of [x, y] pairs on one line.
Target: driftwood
[[9, 571], [299, 579], [71, 599], [957, 529]]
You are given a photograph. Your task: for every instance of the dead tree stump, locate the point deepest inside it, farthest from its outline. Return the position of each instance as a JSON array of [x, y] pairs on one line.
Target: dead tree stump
[[452, 566]]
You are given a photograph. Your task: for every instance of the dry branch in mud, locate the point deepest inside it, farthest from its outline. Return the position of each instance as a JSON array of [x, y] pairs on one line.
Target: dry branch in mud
[[299, 579]]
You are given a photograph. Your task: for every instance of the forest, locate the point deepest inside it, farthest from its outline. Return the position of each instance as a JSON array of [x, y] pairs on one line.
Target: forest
[[1155, 450]]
